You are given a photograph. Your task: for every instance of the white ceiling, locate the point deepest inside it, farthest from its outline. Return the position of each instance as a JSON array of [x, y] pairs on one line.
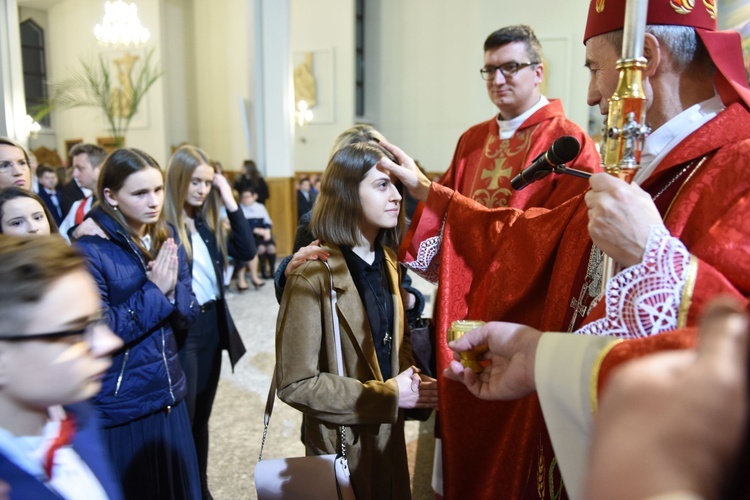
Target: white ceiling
[[38, 4]]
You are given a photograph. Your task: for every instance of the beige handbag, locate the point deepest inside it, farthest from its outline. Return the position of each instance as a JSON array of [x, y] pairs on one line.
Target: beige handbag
[[320, 477]]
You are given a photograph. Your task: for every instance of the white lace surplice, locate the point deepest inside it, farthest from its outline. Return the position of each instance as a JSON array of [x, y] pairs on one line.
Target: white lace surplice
[[644, 299]]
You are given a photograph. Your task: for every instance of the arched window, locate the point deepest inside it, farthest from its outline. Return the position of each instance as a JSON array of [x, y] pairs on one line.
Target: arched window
[[34, 66]]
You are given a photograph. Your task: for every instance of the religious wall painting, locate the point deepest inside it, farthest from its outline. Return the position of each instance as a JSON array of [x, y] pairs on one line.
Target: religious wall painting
[[314, 82], [124, 68]]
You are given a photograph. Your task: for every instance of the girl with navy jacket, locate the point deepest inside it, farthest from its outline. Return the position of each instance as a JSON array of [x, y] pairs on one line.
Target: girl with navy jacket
[[143, 277], [195, 195]]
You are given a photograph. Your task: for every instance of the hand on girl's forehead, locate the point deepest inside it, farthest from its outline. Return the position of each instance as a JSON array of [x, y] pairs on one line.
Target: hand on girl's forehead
[[378, 171]]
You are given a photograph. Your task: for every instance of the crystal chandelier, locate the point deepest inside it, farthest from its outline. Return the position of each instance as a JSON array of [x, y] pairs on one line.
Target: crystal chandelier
[[121, 26]]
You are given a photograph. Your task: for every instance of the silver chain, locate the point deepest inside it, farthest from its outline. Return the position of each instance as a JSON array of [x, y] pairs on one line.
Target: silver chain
[[263, 442], [342, 430], [679, 174]]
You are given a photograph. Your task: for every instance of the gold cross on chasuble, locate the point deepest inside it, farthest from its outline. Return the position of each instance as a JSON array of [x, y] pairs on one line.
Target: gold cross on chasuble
[[497, 173]]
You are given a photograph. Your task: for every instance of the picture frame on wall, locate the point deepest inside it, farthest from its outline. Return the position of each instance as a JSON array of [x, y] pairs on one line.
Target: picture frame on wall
[[321, 65], [109, 144]]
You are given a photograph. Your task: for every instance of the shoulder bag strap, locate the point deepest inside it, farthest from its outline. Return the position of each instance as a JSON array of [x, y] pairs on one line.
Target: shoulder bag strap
[[340, 366]]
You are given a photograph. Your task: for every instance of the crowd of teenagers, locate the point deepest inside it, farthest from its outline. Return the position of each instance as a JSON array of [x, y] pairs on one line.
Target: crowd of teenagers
[[110, 394], [155, 246]]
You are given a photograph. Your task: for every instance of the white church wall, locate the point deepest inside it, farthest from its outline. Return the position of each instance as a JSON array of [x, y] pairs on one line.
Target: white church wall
[[70, 38]]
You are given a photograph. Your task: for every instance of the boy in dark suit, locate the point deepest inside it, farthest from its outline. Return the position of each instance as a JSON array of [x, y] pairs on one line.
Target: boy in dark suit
[[54, 349], [48, 192]]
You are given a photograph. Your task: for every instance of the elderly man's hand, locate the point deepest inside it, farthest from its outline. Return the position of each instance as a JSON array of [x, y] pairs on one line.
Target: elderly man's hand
[[511, 350], [620, 216]]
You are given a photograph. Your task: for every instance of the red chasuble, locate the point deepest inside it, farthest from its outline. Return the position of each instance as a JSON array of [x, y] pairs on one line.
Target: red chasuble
[[509, 265], [483, 164]]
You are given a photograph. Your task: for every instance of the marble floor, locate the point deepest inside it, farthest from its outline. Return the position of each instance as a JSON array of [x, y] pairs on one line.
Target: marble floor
[[237, 419]]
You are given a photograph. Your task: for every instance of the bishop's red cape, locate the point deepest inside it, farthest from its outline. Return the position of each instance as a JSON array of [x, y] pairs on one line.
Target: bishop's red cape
[[525, 267]]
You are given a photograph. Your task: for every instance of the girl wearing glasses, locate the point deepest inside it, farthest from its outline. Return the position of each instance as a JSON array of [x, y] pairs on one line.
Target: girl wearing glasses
[[144, 281], [358, 217], [14, 165]]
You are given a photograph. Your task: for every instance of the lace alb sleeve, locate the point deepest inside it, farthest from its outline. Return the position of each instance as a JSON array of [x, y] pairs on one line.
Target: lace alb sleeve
[[644, 299], [427, 263]]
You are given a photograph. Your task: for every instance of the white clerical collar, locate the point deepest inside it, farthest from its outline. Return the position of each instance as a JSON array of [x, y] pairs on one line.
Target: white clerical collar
[[509, 127], [662, 140]]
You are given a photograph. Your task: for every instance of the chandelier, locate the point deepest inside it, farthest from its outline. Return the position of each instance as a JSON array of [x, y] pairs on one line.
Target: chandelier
[[121, 26]]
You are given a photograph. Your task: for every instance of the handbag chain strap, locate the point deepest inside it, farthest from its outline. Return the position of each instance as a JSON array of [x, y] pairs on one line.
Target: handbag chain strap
[[339, 362]]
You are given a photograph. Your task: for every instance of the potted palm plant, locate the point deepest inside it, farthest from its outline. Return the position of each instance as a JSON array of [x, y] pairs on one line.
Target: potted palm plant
[[117, 96]]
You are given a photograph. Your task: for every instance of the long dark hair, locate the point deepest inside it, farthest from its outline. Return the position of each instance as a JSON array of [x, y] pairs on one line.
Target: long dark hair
[[117, 167], [13, 192], [251, 171]]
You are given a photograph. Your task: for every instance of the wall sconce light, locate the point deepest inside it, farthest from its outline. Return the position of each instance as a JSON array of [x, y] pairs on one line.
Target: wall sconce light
[[304, 114], [33, 127]]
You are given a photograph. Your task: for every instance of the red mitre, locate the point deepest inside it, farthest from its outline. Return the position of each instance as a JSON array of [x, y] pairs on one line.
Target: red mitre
[[724, 47]]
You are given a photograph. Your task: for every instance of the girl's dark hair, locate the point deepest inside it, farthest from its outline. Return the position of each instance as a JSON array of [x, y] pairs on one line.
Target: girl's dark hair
[[117, 167], [251, 171], [337, 213], [12, 193]]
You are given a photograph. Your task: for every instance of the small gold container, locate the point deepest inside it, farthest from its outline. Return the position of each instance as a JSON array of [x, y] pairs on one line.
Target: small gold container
[[468, 358]]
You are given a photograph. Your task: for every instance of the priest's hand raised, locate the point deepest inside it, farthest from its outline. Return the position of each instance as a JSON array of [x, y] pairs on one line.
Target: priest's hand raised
[[511, 349], [406, 170]]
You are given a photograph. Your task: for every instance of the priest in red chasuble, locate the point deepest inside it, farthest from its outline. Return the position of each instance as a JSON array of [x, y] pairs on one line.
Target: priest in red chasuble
[[680, 234], [491, 153]]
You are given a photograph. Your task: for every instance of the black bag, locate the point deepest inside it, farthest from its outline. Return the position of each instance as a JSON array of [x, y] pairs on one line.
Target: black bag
[[423, 351], [423, 347]]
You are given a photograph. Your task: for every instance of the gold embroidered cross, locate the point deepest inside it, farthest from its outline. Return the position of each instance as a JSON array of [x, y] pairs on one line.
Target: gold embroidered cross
[[497, 173]]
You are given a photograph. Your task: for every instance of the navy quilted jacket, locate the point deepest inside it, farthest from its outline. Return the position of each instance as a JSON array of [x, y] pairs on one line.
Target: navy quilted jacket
[[145, 375]]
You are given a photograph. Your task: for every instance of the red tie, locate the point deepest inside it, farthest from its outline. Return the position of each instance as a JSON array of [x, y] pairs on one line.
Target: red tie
[[81, 212], [64, 438]]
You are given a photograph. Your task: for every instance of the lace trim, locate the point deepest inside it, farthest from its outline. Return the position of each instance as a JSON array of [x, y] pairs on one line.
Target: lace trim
[[427, 263], [644, 299]]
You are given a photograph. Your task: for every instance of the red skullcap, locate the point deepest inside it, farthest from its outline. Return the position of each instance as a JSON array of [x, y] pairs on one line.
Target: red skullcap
[[724, 47]]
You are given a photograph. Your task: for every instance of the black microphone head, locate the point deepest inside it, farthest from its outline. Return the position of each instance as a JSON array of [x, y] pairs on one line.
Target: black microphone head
[[563, 150]]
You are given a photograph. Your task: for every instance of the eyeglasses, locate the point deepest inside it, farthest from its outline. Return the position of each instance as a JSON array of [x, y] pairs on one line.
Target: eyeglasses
[[508, 70], [85, 333]]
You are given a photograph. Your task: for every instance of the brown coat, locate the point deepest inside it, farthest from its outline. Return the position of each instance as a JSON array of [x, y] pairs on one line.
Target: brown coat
[[362, 401]]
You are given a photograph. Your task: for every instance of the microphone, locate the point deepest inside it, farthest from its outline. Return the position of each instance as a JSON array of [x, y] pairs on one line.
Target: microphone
[[563, 150]]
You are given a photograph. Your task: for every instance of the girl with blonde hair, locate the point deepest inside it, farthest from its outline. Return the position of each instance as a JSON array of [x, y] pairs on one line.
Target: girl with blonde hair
[[195, 196]]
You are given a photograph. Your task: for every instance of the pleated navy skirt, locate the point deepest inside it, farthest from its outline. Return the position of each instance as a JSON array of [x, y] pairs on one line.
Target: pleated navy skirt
[[154, 456]]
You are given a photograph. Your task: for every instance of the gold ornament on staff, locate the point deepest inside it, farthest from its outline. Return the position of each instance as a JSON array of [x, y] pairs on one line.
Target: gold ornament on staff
[[626, 129]]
